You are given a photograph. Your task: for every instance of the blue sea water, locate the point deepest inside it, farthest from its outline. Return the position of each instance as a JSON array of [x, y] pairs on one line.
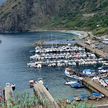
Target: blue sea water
[[14, 56]]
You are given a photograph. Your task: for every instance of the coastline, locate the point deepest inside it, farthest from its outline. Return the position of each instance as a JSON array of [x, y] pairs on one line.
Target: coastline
[[81, 34]]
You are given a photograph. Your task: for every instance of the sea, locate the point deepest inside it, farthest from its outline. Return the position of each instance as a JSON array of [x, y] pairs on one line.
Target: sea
[[15, 52]]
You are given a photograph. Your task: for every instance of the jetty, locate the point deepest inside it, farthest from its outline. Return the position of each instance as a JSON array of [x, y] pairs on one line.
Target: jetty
[[92, 85], [8, 96], [44, 94], [93, 50]]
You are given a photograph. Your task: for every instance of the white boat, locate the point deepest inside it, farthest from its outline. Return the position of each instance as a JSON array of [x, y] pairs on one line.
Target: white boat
[[70, 82], [89, 72], [69, 73], [105, 41], [35, 64]]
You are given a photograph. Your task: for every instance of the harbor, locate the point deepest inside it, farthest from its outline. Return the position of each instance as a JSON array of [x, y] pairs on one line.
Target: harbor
[[74, 56], [13, 65], [53, 60]]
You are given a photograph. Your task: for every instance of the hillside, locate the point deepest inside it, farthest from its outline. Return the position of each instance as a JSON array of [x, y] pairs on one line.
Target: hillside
[[30, 15]]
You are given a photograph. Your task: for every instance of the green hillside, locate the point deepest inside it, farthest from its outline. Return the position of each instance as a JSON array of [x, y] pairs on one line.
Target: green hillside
[[30, 15]]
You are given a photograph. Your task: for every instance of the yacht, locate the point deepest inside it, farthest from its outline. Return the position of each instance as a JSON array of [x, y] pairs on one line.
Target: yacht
[[71, 74]]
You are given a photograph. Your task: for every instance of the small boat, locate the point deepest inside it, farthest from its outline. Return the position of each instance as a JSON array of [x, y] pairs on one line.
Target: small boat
[[103, 69], [84, 97], [105, 41], [89, 72], [77, 85], [35, 64], [70, 73], [31, 83], [70, 82], [10, 85], [103, 83], [96, 95]]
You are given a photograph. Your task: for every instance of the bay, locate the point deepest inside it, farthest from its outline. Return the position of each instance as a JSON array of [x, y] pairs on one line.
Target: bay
[[15, 51]]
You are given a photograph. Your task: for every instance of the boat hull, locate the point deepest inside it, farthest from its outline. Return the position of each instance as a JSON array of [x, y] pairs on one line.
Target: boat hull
[[67, 74]]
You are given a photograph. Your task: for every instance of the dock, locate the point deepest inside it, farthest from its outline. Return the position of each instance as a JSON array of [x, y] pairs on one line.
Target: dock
[[89, 83], [94, 50], [44, 94], [8, 95]]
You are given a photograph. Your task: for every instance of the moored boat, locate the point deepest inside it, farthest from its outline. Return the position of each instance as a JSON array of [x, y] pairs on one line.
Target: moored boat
[[71, 74], [11, 85], [77, 85], [103, 69], [70, 82], [89, 72]]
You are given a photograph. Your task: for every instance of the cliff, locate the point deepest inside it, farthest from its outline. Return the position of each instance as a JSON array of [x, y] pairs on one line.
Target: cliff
[[30, 15]]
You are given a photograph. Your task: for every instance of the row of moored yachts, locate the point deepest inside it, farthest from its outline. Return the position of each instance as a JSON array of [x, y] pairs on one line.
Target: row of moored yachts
[[63, 56]]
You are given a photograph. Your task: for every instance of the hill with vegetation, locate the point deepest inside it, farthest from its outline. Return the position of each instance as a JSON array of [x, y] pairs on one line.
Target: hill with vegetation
[[31, 15]]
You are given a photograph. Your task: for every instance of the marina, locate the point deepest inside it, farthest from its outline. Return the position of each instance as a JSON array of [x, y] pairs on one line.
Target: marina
[[13, 65], [75, 55], [68, 55], [50, 63]]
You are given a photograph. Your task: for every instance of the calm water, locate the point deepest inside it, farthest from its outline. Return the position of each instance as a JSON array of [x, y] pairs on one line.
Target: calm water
[[14, 55]]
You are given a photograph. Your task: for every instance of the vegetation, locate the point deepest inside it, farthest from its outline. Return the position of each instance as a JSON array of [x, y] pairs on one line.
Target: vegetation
[[24, 100], [30, 15]]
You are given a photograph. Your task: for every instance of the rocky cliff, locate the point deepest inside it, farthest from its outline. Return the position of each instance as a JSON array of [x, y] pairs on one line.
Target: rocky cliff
[[30, 15]]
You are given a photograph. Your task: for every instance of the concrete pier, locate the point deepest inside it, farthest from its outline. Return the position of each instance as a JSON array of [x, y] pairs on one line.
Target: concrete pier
[[94, 50], [8, 95], [89, 83], [43, 94]]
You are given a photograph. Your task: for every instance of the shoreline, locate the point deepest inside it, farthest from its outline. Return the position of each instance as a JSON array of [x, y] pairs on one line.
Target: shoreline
[[81, 34]]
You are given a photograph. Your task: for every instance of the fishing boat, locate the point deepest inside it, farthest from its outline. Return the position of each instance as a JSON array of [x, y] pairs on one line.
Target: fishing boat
[[71, 74]]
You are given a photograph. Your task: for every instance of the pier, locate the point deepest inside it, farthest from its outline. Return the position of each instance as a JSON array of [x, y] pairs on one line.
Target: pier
[[92, 85], [8, 96], [94, 50], [43, 94]]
